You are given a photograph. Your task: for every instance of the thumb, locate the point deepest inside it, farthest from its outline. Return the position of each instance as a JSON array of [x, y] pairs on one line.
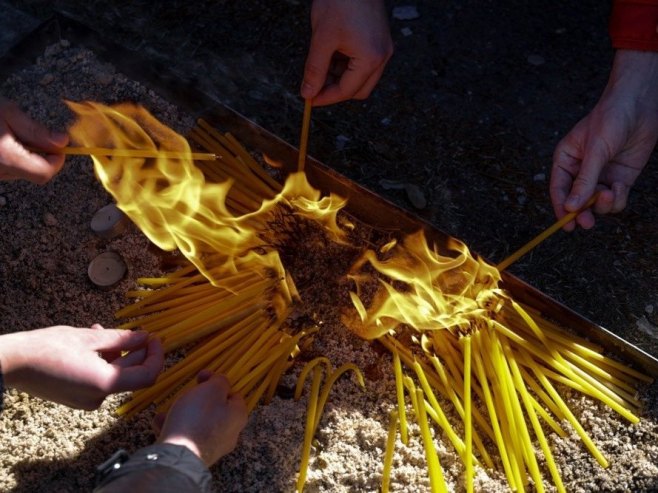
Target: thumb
[[316, 67], [29, 131], [119, 340]]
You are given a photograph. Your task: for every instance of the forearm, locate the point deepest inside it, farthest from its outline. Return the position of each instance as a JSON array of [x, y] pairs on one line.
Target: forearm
[[636, 74], [10, 357]]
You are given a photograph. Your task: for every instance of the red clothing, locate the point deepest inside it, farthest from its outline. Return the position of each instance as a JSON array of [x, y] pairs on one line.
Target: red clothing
[[634, 25]]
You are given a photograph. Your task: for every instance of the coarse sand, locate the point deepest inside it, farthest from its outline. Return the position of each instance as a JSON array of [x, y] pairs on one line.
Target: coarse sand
[[45, 247]]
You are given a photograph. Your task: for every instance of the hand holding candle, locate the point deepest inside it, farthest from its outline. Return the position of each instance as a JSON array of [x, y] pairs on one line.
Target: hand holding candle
[[17, 131]]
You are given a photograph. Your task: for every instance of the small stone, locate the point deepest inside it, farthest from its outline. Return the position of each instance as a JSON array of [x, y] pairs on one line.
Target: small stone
[[405, 13], [539, 177], [109, 222], [406, 31], [385, 121], [257, 95], [47, 79], [416, 196], [341, 142], [536, 60], [107, 269], [391, 184], [49, 219], [3, 201], [648, 309], [52, 50]]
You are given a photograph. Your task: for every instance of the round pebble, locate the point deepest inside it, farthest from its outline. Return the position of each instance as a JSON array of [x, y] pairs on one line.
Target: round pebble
[[107, 269], [109, 221]]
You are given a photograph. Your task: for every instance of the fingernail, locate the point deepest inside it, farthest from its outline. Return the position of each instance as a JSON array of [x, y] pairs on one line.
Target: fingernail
[[59, 138], [573, 202], [306, 90]]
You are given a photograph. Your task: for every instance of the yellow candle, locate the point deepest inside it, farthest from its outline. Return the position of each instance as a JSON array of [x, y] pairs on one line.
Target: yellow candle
[[441, 418], [307, 369], [399, 389], [493, 415], [437, 482], [468, 424], [335, 375], [569, 415], [390, 449], [310, 422]]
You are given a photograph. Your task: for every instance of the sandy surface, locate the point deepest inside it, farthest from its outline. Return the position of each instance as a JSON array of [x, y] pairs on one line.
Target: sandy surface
[[44, 253]]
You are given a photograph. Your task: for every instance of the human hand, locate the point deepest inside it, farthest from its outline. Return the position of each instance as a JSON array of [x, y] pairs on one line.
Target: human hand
[[350, 45], [608, 148], [206, 419], [63, 364], [16, 162]]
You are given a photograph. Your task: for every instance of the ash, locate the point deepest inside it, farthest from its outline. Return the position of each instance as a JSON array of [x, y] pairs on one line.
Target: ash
[[44, 253]]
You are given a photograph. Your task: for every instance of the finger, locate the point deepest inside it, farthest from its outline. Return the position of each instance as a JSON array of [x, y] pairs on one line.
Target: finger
[[204, 375], [138, 376], [345, 88], [118, 340], [620, 197], [370, 84], [133, 358], [595, 157], [316, 67], [565, 166], [109, 356], [238, 407], [32, 132], [221, 386], [586, 219], [27, 165]]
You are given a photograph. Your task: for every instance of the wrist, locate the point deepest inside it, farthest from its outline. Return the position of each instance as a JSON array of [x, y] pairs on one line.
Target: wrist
[[185, 442], [636, 73], [11, 357]]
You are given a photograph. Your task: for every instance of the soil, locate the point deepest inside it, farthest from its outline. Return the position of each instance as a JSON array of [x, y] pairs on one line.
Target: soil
[[469, 110]]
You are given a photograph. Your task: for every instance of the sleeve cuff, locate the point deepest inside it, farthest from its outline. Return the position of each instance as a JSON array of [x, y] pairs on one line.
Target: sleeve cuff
[[634, 25], [159, 464]]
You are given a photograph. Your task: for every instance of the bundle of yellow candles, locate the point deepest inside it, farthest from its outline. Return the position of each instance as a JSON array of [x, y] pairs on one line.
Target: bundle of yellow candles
[[250, 183], [236, 326], [455, 338], [512, 373]]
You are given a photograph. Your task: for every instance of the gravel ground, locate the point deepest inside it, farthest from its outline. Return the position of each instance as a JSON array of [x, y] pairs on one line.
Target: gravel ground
[[45, 249]]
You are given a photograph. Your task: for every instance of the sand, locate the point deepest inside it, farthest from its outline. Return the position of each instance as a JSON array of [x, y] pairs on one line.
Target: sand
[[45, 247]]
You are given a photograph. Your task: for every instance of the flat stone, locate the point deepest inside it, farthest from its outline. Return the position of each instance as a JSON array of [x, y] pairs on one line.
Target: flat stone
[[405, 13]]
